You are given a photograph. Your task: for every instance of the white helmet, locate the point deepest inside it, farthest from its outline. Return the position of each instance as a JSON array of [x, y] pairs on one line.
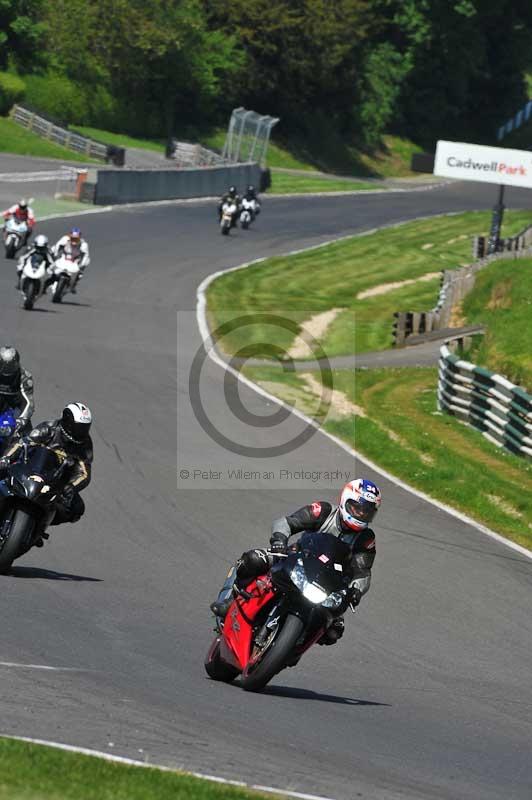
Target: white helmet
[[41, 242], [359, 502], [76, 422]]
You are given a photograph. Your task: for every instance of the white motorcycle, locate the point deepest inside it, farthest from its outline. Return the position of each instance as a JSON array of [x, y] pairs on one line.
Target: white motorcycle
[[14, 235], [226, 219], [33, 280], [249, 210], [65, 271]]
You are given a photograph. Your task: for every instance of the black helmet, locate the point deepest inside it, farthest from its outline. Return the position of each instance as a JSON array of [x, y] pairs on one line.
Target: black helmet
[[9, 368], [232, 191], [75, 422], [251, 189]]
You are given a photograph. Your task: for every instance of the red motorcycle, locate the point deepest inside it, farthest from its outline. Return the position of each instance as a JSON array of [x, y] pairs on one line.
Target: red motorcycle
[[283, 613]]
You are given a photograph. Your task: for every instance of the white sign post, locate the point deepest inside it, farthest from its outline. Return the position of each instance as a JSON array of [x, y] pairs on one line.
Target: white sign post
[[477, 162]]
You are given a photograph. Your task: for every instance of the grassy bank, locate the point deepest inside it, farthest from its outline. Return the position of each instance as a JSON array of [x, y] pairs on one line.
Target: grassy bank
[[332, 277], [390, 415], [120, 139], [287, 183], [15, 139], [502, 300], [34, 772]]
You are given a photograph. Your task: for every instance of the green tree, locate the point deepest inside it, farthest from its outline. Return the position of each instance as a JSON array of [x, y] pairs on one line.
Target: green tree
[[22, 34]]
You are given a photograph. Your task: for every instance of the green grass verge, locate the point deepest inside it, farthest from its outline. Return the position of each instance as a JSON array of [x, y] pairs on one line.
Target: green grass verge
[[119, 139], [286, 183], [397, 425], [35, 772], [502, 300], [331, 277], [44, 206], [17, 140]]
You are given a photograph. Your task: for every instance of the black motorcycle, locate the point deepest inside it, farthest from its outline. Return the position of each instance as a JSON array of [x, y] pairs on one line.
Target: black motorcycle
[[29, 494]]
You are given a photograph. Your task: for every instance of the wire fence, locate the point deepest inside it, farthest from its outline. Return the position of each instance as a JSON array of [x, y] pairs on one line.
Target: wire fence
[[248, 136]]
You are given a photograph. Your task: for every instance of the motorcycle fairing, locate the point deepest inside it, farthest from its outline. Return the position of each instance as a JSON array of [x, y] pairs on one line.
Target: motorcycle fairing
[[235, 645]]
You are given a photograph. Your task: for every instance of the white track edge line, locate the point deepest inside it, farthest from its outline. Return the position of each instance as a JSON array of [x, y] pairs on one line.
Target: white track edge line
[[201, 317], [44, 667], [85, 751]]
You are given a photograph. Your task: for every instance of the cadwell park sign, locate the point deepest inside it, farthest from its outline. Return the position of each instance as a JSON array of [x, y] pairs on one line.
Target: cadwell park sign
[[475, 162]]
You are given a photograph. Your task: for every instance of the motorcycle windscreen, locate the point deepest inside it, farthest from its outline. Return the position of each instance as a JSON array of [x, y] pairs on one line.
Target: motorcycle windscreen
[[326, 559], [41, 461]]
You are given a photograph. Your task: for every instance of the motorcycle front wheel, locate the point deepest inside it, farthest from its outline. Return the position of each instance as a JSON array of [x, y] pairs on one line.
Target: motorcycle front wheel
[[60, 288], [18, 539], [29, 297], [256, 676]]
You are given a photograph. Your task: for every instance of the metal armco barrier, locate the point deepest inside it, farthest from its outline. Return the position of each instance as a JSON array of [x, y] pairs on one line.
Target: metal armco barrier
[[137, 186], [455, 284], [186, 154], [486, 401], [73, 141]]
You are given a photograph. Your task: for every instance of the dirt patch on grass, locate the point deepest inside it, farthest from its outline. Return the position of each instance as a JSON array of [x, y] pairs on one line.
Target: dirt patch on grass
[[339, 404], [384, 288], [313, 328], [505, 506], [501, 296]]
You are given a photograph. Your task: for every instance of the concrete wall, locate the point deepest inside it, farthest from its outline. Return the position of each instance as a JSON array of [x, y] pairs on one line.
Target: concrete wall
[[136, 186]]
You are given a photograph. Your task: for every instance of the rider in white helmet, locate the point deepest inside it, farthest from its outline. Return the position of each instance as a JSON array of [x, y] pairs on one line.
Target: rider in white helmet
[[40, 248], [350, 520], [70, 437]]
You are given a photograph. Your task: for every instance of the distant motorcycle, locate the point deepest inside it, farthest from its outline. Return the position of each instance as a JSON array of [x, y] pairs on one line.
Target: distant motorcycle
[[8, 427], [65, 271], [248, 212], [33, 280], [282, 613], [228, 212], [28, 500], [15, 232]]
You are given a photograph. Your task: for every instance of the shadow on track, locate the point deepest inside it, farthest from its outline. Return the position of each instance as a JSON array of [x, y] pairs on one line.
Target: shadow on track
[[307, 694], [75, 303], [47, 575], [40, 310]]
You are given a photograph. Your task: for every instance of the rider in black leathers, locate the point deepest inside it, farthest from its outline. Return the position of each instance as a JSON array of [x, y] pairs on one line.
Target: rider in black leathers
[[69, 436], [349, 520], [231, 196], [16, 388]]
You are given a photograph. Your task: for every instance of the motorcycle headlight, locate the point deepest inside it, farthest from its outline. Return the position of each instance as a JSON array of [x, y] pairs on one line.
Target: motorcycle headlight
[[334, 600], [314, 594], [298, 577]]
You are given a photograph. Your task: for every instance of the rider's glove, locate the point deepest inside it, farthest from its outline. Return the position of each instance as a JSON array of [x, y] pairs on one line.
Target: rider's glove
[[278, 543], [67, 495], [355, 596]]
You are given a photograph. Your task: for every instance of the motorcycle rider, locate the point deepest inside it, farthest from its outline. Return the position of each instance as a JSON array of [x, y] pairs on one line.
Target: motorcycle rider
[[73, 245], [349, 520], [251, 195], [231, 196], [41, 248], [22, 213], [16, 388], [68, 436]]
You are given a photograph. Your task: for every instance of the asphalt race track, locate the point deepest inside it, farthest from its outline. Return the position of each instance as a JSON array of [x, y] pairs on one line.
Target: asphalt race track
[[429, 694]]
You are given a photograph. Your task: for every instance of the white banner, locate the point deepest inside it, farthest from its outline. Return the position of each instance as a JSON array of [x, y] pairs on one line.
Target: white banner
[[476, 162]]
